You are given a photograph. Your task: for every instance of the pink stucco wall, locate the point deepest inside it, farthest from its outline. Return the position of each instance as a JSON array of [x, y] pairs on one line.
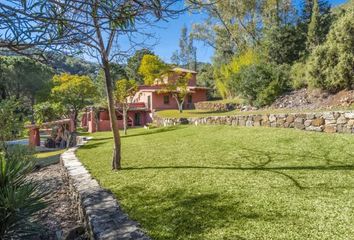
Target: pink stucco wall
[[158, 103], [103, 123]]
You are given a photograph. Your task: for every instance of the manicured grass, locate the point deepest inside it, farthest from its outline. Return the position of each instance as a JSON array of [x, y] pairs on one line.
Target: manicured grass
[[48, 158], [223, 182]]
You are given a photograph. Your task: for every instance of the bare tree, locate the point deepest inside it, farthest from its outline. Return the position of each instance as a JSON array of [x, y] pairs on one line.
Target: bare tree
[[92, 27]]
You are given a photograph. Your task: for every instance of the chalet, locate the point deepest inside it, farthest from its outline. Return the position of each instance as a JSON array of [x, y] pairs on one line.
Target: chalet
[[146, 101]]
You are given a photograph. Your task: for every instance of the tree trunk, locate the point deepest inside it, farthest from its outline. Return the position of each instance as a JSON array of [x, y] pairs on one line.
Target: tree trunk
[[125, 122], [179, 104], [74, 116], [116, 165]]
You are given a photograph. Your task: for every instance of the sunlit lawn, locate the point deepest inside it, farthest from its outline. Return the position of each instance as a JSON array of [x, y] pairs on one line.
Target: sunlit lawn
[[223, 182], [48, 158]]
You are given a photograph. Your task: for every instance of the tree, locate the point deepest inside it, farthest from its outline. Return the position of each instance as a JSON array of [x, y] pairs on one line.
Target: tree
[[262, 83], [151, 68], [313, 35], [331, 65], [315, 22], [125, 91], [48, 111], [284, 44], [23, 78], [90, 26], [187, 53], [74, 92], [206, 79], [117, 72], [11, 120], [177, 88], [226, 73], [133, 65]]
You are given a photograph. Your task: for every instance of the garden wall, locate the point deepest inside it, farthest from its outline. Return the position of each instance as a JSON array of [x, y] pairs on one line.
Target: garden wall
[[330, 122]]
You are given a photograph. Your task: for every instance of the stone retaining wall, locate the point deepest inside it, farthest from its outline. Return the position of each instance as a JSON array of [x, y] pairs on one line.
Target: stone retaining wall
[[330, 122], [99, 210]]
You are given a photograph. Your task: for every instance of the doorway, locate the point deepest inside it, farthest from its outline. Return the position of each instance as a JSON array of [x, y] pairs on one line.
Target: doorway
[[137, 119]]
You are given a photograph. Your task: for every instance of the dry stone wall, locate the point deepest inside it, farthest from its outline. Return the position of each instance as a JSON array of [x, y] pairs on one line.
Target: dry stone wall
[[330, 122]]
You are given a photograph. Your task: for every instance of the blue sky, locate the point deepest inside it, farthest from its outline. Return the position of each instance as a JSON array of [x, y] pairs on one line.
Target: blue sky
[[168, 34]]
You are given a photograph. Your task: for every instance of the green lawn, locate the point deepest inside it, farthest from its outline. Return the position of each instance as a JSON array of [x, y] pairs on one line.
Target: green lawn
[[223, 182], [47, 158]]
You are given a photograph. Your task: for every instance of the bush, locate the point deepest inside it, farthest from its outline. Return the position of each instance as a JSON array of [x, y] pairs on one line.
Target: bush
[[262, 83], [298, 75], [226, 73], [331, 65], [19, 197]]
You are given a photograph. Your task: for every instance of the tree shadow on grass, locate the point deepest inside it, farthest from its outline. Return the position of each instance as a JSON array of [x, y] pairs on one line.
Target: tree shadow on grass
[[180, 214], [265, 159]]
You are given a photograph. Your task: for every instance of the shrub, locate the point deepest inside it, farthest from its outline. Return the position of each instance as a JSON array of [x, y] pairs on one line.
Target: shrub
[[19, 197], [298, 75], [226, 73], [10, 119], [331, 65], [262, 83]]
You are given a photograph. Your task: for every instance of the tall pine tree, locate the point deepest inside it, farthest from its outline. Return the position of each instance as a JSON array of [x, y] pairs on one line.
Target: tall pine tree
[[313, 33], [186, 56]]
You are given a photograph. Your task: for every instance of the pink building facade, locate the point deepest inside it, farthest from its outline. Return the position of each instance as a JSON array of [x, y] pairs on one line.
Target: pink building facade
[[146, 101]]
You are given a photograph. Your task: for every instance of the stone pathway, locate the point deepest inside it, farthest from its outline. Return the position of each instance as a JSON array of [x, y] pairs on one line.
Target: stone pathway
[[61, 216]]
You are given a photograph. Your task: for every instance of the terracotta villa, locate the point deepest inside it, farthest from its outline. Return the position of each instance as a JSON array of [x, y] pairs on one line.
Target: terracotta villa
[[146, 101]]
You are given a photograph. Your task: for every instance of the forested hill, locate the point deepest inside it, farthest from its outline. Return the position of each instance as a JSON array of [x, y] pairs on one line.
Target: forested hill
[[62, 63]]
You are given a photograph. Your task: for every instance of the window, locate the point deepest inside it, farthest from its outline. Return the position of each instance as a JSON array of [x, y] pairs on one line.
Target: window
[[166, 99], [149, 102], [190, 99]]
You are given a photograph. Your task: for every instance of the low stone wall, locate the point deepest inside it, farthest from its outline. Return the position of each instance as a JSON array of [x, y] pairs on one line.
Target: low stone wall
[[217, 106], [330, 122], [99, 210]]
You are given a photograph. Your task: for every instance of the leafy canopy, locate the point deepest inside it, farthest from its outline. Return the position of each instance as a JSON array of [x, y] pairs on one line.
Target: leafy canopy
[[124, 89], [152, 68], [73, 91]]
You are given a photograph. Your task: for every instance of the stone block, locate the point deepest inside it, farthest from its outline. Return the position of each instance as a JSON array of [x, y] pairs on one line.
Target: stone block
[[242, 122], [350, 122], [349, 115], [310, 116], [257, 123], [299, 125], [299, 120], [249, 123], [331, 121], [341, 120], [272, 118], [328, 116], [330, 128], [318, 122], [307, 122], [316, 129], [290, 118]]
